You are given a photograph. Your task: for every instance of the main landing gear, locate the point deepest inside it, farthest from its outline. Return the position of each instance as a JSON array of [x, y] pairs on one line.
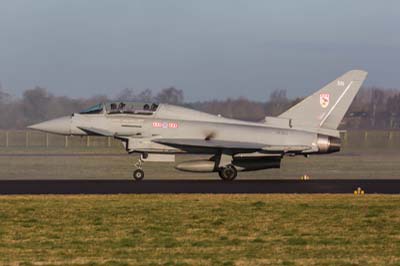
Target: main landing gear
[[138, 174], [226, 170], [228, 173]]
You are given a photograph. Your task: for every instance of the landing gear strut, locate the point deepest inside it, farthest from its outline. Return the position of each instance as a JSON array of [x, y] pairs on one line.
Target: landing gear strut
[[138, 174], [228, 173]]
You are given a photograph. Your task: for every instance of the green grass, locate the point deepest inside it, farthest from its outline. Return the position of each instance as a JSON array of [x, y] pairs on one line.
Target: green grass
[[200, 230]]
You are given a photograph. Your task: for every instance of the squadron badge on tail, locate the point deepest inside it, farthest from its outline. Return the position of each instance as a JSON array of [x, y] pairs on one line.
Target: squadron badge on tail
[[324, 100]]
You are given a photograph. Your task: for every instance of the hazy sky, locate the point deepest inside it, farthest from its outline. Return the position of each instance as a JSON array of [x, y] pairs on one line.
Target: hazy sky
[[208, 48]]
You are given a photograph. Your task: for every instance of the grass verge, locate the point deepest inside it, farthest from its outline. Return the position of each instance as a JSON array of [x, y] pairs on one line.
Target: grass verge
[[200, 230]]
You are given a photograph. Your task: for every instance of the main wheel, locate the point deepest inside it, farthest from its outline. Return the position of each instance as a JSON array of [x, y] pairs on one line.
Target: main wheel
[[138, 174], [221, 175], [228, 173]]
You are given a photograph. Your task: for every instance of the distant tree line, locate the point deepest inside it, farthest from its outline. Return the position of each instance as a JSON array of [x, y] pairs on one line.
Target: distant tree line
[[373, 108]]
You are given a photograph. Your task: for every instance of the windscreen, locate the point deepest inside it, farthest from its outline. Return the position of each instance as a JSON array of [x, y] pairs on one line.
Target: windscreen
[[96, 109]]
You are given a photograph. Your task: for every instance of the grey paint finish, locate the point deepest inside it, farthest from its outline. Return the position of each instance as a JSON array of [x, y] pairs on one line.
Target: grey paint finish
[[327, 107], [308, 127]]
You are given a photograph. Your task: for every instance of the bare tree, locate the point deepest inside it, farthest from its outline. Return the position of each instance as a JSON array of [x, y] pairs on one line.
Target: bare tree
[[131, 95], [372, 108], [4, 96], [278, 103], [126, 95], [170, 95], [35, 104], [240, 108]]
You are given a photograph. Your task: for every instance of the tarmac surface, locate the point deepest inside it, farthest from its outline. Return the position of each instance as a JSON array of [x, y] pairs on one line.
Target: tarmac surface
[[381, 186]]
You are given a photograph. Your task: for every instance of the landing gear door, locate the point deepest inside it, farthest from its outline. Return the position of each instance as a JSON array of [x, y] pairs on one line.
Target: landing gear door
[[146, 145], [167, 158]]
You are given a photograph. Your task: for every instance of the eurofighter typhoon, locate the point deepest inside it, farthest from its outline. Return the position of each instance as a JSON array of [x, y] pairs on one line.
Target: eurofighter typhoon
[[160, 131]]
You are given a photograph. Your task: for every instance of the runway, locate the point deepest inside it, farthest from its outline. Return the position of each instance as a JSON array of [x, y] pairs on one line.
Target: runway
[[18, 187]]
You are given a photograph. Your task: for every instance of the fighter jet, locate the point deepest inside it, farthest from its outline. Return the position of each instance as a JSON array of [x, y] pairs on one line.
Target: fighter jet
[[160, 131]]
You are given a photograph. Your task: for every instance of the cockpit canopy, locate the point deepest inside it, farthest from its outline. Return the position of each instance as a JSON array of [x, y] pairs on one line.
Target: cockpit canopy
[[122, 108], [95, 109]]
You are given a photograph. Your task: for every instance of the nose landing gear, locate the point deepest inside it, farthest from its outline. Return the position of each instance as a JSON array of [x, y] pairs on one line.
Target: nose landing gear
[[138, 174]]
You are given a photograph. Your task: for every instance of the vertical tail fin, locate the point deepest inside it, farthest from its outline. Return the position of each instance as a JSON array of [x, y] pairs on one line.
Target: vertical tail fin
[[327, 107]]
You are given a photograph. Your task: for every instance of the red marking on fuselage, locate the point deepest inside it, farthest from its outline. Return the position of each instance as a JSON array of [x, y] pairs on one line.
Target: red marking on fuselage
[[172, 125]]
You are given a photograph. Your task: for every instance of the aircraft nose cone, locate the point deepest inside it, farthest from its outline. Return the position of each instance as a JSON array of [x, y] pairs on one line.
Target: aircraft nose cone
[[60, 125]]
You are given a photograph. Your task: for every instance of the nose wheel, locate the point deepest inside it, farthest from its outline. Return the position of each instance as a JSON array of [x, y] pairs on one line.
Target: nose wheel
[[138, 174], [228, 173]]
